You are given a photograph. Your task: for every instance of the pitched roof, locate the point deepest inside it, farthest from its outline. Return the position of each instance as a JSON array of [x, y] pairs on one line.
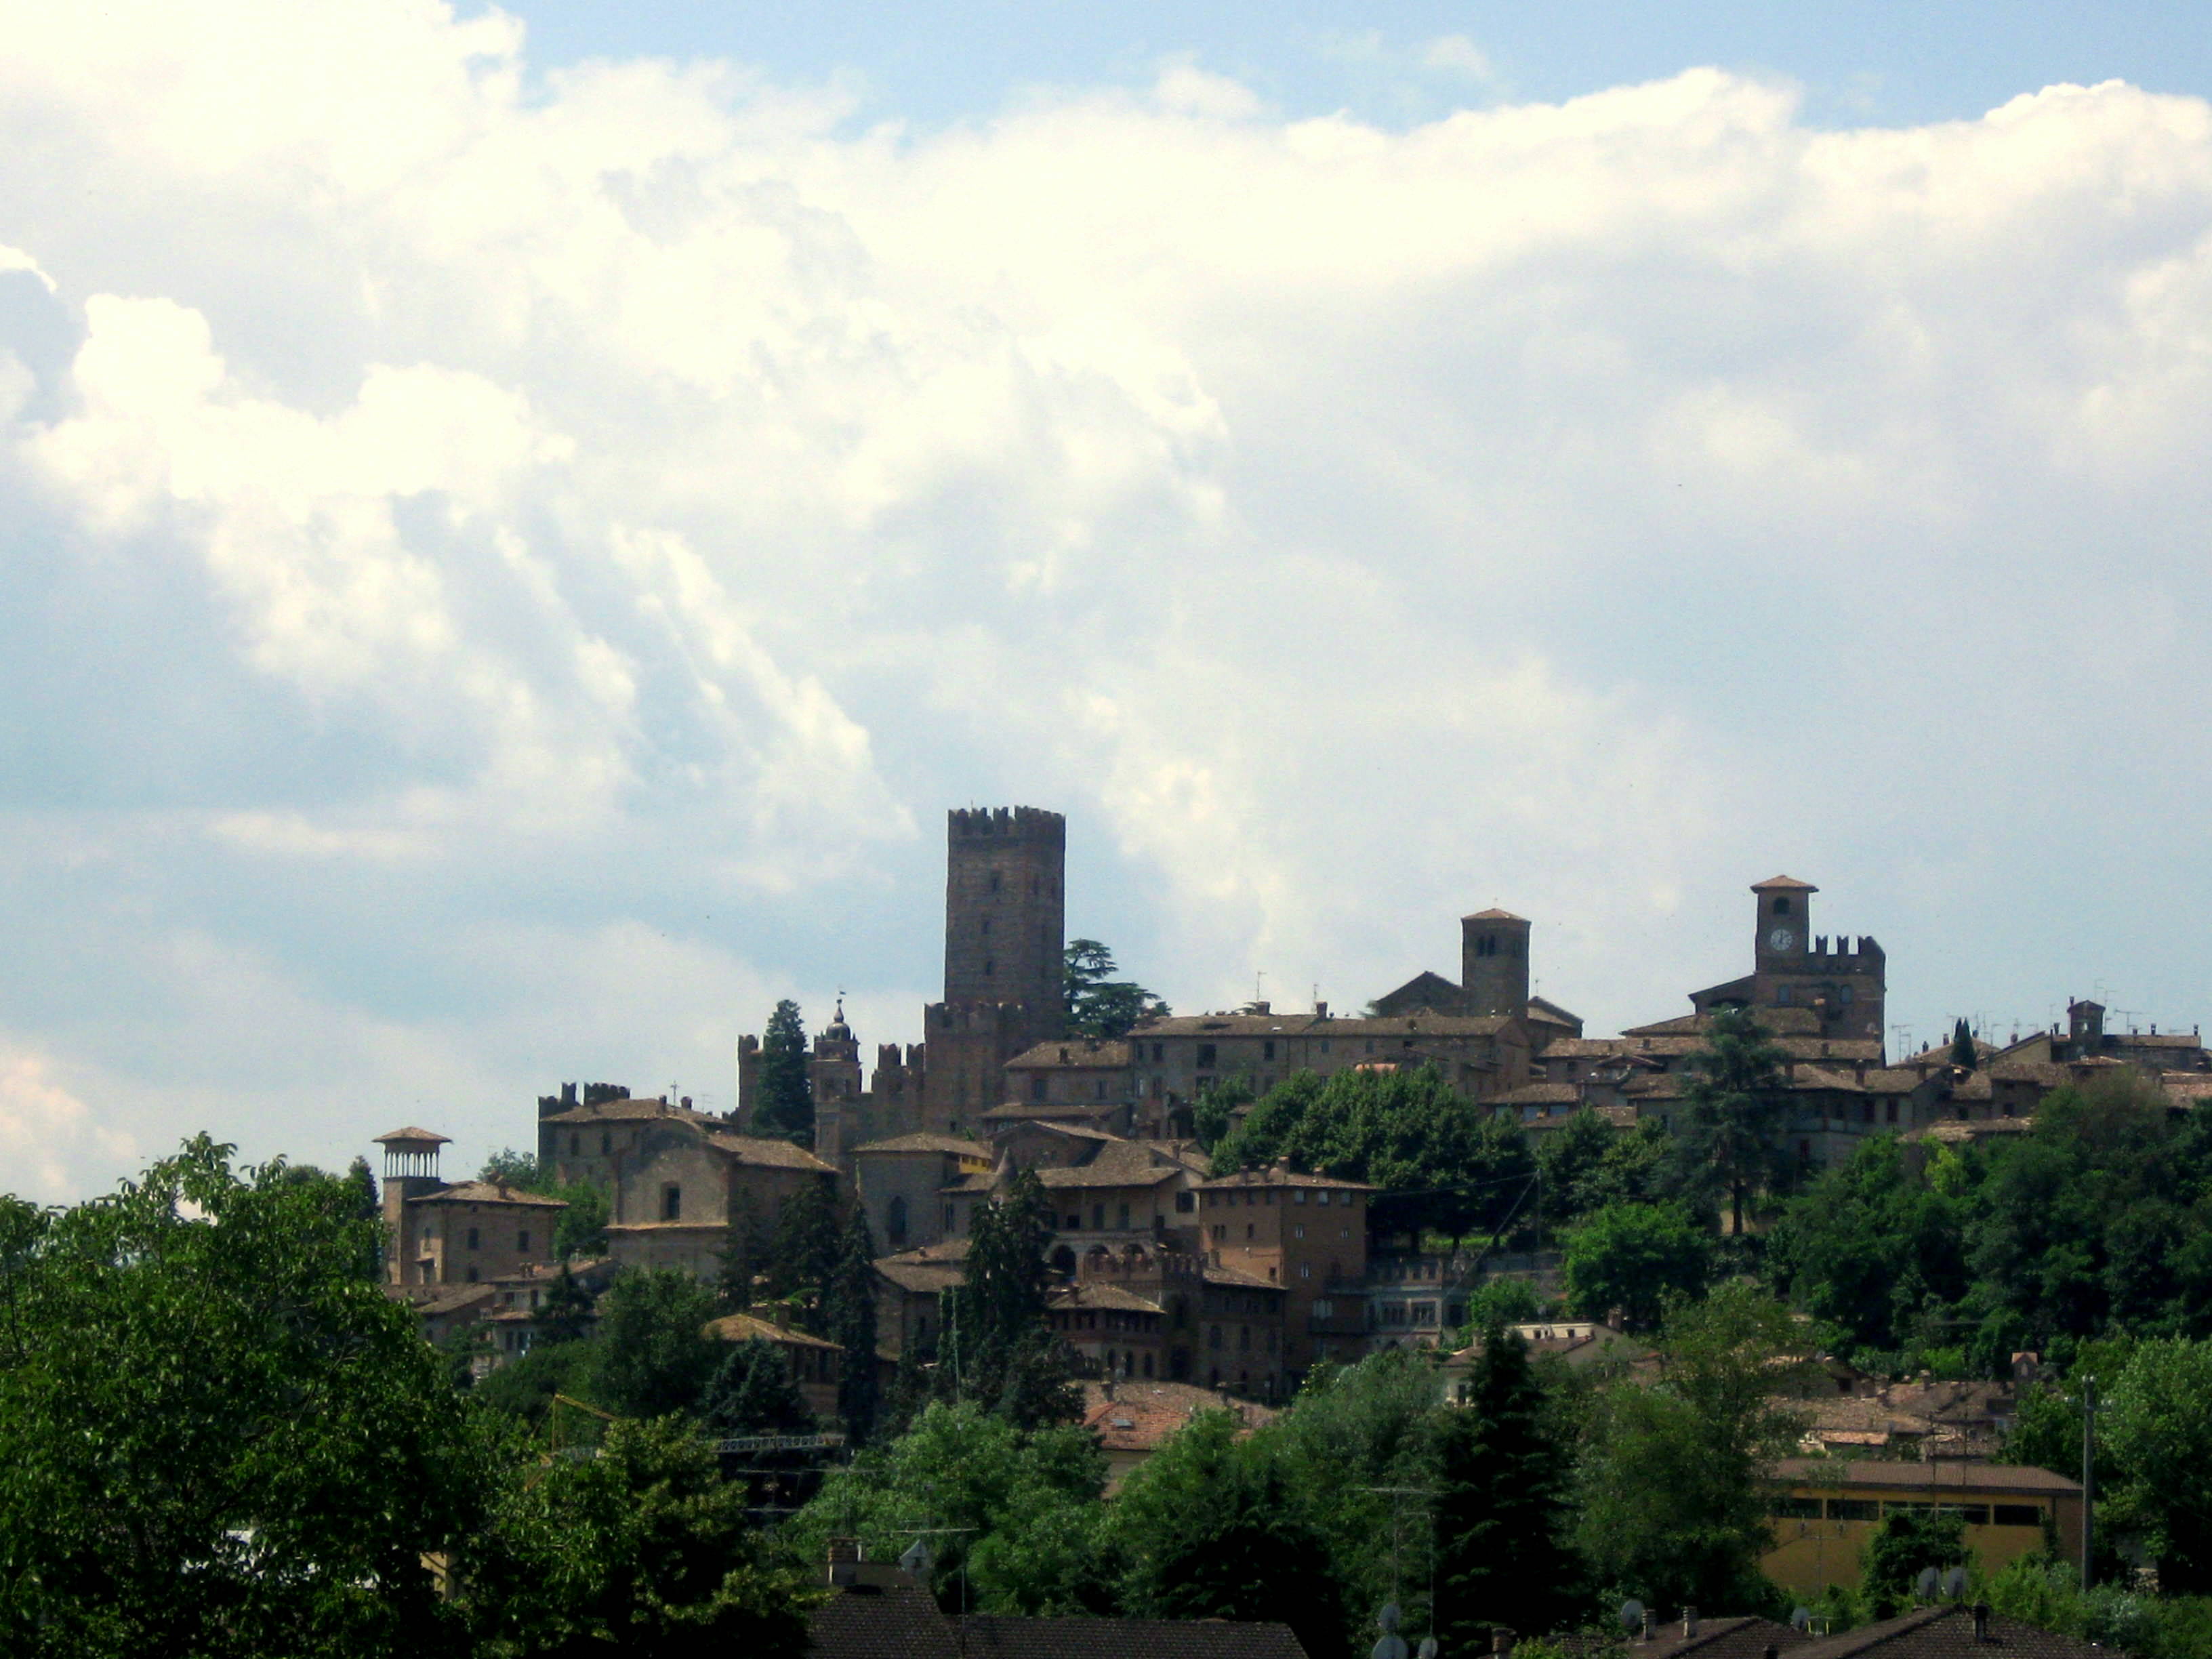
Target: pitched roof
[[881, 1621], [1202, 1026], [1076, 1053], [996, 1636], [630, 1110], [489, 1192], [1116, 1163], [1783, 885], [925, 1141], [1947, 1632], [1277, 1177], [1095, 1294], [1141, 1415], [1239, 1280], [759, 1153], [1744, 1637], [1537, 1094], [745, 1327], [1543, 1008], [1940, 1475], [923, 1277], [431, 1135]]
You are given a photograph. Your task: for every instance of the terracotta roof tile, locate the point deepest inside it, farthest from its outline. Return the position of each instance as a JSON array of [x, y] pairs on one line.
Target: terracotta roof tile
[[1947, 1632], [489, 1192], [926, 1142]]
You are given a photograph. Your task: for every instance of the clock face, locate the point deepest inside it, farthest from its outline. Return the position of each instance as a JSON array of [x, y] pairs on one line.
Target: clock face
[[1782, 938]]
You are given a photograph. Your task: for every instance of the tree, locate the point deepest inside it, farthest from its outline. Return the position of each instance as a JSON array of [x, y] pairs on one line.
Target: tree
[[852, 1328], [1209, 1528], [2159, 1423], [1731, 1134], [1215, 1110], [566, 1314], [1674, 1483], [1503, 1507], [1636, 1258], [743, 1258], [1588, 1162], [998, 1346], [1963, 1053], [803, 1254], [1013, 1516], [642, 1549], [786, 1110], [1906, 1543], [1442, 1161], [216, 1437], [655, 1356], [1097, 1004], [752, 1392]]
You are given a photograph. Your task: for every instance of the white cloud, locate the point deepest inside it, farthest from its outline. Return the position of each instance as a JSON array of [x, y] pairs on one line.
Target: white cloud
[[52, 1145], [632, 509]]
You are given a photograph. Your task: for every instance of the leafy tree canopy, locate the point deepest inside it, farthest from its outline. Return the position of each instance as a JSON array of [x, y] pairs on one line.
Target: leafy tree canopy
[[1099, 1005], [1639, 1258], [217, 1435], [654, 1357], [1731, 1133], [581, 1231], [785, 1105]]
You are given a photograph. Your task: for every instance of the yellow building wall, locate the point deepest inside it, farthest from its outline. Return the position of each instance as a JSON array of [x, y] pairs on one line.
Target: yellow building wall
[[1812, 1553]]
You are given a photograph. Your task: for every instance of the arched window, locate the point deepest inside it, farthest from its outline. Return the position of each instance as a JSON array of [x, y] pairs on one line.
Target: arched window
[[894, 1220]]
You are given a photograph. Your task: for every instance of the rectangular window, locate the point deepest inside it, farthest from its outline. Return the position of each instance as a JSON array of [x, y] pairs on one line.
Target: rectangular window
[[1425, 1313], [2016, 1515], [522, 1241], [1037, 1088], [1268, 1050], [1221, 1234], [1299, 1230], [1204, 1055], [1323, 1309], [672, 1204], [1796, 1508], [473, 1238], [1854, 1508], [1156, 1048], [1302, 1194], [1305, 1270], [1098, 1218], [1121, 1220]]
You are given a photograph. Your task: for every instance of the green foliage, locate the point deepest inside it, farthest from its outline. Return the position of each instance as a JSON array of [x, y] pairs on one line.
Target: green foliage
[[1963, 1053], [1731, 1133], [803, 1255], [216, 1436], [785, 1105], [2096, 1223], [1638, 1258], [1099, 1005], [1497, 1303], [1502, 1508], [1444, 1165], [1672, 1479], [752, 1392], [742, 1261], [1588, 1162], [566, 1314], [2157, 1419], [1906, 1543], [997, 1346], [1016, 1514], [1210, 1527], [2046, 1593], [642, 1549], [1351, 1432], [1214, 1110], [853, 1326], [1872, 1247], [654, 1357], [524, 1387]]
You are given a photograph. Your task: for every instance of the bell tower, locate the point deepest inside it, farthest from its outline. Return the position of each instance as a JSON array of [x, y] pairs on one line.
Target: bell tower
[[1493, 962], [1785, 922]]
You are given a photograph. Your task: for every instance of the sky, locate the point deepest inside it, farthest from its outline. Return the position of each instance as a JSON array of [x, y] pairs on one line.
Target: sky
[[515, 524]]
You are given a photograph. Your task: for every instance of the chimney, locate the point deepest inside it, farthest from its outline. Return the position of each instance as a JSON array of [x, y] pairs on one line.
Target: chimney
[[1107, 1386], [1981, 1621], [1501, 1641], [1689, 1622], [844, 1562], [1320, 1011]]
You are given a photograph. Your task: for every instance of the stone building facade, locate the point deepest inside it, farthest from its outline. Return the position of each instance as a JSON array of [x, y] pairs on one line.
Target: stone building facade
[[1843, 982], [441, 1232]]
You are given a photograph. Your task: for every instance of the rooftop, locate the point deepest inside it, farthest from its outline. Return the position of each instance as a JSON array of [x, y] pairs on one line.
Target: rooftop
[[1961, 1475], [925, 1141], [1947, 1632], [487, 1192], [429, 1137], [746, 1327]]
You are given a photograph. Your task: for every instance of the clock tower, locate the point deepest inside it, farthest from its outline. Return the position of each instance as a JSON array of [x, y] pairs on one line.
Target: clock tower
[[1785, 922]]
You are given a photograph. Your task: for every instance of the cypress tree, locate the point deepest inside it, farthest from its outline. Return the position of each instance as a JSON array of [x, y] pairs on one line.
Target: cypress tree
[[852, 1328], [1962, 1047], [1502, 1507], [786, 1097]]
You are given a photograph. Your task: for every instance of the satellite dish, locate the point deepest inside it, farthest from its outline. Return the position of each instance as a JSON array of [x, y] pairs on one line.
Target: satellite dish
[[1427, 1650], [1388, 1618], [1928, 1583], [1391, 1645], [1801, 1618], [917, 1560], [1954, 1584], [1631, 1615]]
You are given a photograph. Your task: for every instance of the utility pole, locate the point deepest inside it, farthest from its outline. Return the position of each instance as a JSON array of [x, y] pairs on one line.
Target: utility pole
[[2088, 1480]]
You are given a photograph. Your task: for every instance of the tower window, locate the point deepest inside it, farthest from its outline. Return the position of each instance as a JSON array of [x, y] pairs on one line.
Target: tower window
[[1782, 906], [473, 1238], [986, 967], [995, 881], [672, 1203], [522, 1241], [987, 927]]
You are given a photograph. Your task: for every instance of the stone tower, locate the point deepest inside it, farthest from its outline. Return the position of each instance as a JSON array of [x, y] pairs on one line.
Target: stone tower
[[1785, 923], [410, 1170], [1005, 946], [1493, 957]]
